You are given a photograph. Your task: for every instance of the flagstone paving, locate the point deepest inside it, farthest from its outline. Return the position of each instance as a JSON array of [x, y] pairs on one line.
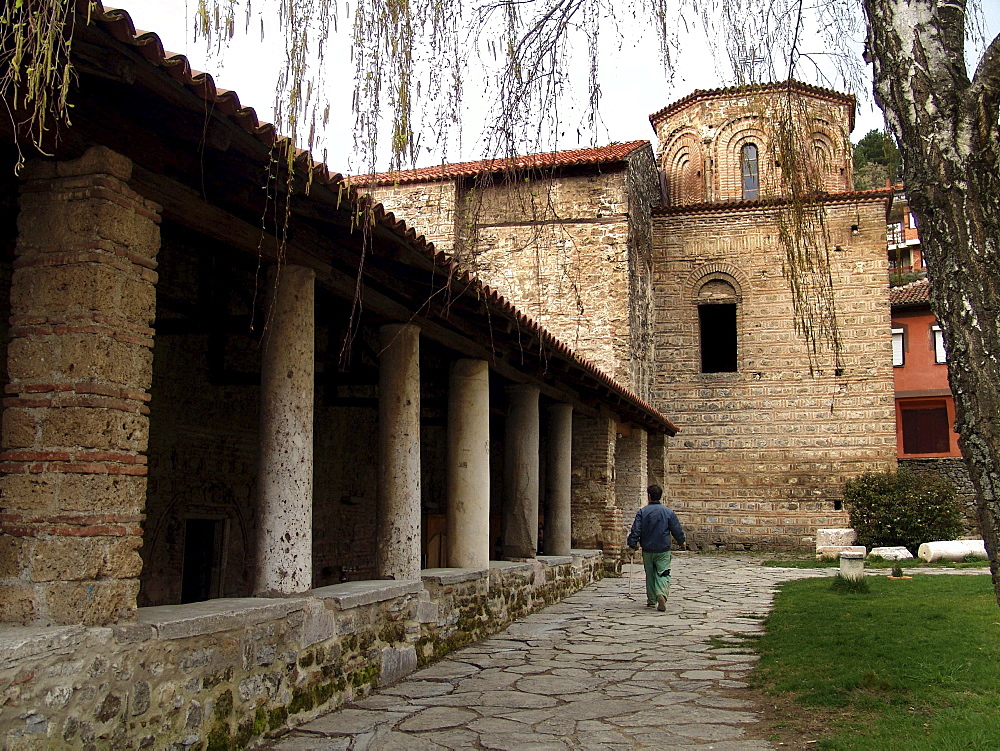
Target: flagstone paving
[[597, 671]]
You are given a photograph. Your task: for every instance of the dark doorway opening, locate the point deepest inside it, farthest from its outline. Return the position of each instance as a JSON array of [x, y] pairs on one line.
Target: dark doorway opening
[[202, 560], [718, 337]]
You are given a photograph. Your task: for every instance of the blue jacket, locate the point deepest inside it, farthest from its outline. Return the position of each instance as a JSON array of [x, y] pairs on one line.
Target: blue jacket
[[652, 528]]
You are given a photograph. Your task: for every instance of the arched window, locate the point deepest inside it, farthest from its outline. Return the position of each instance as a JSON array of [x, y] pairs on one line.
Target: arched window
[[750, 171]]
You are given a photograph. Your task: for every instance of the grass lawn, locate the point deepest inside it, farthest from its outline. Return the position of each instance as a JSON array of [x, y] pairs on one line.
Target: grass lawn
[[911, 664], [811, 562]]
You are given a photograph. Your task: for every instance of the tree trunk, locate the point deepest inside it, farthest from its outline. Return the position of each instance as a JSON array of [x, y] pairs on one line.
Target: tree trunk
[[946, 125]]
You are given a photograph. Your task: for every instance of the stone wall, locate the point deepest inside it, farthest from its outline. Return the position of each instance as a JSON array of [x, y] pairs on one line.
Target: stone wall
[[427, 207], [228, 673], [644, 194], [572, 250], [763, 451], [558, 248], [631, 462], [597, 518], [955, 471]]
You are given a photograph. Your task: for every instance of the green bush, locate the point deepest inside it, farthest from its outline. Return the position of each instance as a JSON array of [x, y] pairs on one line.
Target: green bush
[[902, 508]]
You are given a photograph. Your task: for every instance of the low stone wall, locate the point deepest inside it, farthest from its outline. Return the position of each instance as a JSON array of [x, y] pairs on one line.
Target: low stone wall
[[953, 469], [224, 674]]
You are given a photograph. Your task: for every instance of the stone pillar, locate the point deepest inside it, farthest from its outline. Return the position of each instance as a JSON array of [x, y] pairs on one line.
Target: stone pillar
[[397, 555], [283, 565], [657, 468], [76, 424], [469, 465], [558, 524], [630, 472], [597, 520], [520, 473]]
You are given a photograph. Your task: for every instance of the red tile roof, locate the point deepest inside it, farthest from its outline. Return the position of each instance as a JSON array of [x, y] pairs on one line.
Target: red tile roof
[[719, 207], [803, 88], [914, 293], [119, 25], [614, 152]]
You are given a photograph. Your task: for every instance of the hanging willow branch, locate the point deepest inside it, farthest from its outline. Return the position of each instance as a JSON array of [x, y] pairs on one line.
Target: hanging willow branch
[[36, 38]]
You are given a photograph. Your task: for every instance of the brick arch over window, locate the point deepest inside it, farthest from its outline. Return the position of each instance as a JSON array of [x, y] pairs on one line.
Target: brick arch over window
[[709, 272], [830, 162], [684, 165], [733, 136]]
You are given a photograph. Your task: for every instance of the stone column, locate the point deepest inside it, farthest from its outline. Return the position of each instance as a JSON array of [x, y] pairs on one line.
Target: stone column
[[283, 564], [469, 465], [596, 518], [630, 471], [397, 554], [558, 526], [520, 513], [656, 461], [75, 427]]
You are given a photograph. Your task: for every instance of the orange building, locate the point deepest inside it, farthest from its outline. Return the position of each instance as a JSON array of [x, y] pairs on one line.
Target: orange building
[[903, 239], [925, 409]]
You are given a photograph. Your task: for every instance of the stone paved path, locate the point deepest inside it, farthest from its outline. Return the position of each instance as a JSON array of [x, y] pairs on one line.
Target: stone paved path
[[596, 671]]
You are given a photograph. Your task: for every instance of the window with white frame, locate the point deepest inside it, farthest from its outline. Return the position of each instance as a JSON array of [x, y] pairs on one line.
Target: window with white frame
[[940, 353], [897, 348]]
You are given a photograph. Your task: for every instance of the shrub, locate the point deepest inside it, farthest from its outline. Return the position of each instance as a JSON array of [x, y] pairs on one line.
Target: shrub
[[902, 508], [850, 586]]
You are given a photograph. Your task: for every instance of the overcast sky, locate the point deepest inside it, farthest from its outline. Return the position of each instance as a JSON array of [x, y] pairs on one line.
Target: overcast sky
[[632, 82]]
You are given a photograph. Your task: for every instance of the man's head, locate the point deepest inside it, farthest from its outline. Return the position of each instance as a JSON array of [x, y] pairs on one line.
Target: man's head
[[655, 493]]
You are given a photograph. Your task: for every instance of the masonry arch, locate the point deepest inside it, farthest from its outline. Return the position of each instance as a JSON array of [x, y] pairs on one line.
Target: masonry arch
[[829, 162], [737, 140], [683, 165], [716, 293]]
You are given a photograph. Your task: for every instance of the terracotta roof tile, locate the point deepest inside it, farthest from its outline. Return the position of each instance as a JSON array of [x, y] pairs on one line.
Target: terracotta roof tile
[[914, 293], [719, 207], [804, 88], [119, 25], [614, 152]]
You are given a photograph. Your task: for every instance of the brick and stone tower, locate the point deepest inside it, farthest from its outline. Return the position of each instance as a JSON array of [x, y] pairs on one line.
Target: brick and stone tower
[[735, 144], [782, 391]]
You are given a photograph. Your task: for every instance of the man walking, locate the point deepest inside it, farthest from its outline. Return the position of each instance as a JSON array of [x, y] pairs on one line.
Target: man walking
[[652, 528]]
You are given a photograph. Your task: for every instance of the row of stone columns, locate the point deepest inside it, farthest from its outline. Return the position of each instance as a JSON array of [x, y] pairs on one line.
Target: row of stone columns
[[284, 537]]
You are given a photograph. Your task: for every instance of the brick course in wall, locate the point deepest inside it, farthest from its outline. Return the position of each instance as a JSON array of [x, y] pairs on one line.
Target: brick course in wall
[[75, 424], [763, 451], [701, 138]]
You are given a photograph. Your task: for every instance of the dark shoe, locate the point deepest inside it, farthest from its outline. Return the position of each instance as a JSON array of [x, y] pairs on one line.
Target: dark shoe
[[661, 603], [650, 604]]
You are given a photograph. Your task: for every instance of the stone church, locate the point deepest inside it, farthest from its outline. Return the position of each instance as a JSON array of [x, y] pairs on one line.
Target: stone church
[[257, 462], [668, 269]]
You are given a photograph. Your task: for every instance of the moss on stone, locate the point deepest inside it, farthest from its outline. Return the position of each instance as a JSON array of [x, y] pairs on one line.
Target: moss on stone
[[307, 659], [259, 721], [364, 675], [302, 700], [244, 733], [392, 633], [218, 738], [277, 718], [224, 705], [322, 692]]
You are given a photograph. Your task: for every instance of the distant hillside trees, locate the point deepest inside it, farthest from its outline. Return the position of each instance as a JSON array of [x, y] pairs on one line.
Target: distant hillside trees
[[876, 159]]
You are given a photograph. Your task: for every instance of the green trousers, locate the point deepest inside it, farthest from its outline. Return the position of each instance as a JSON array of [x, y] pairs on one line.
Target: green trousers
[[657, 567]]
